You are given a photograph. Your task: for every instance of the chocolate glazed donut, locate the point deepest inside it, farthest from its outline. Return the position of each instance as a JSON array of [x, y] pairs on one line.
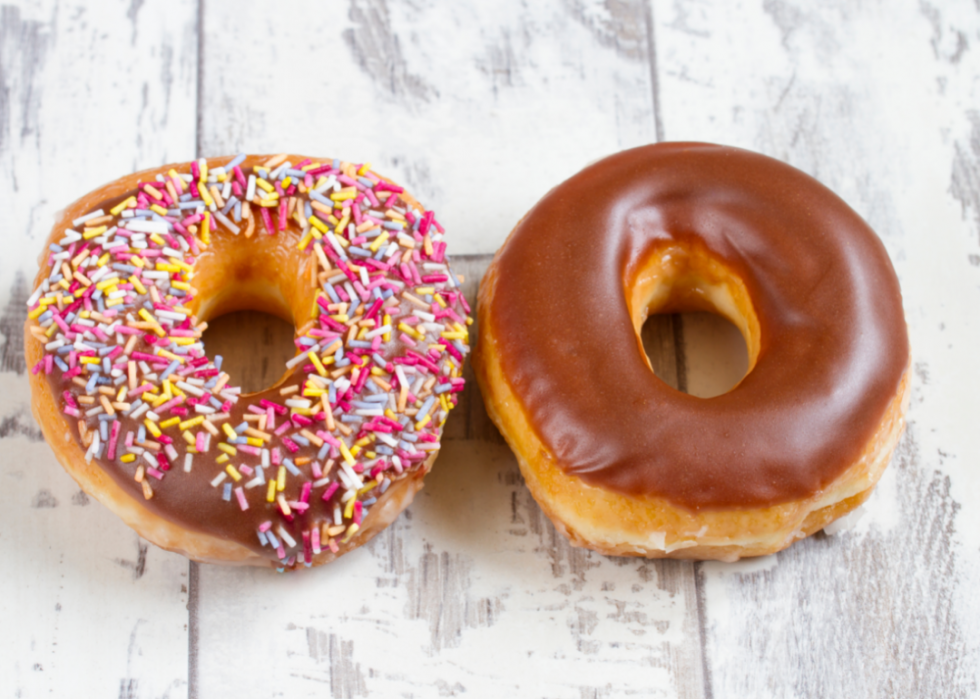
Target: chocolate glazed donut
[[674, 227]]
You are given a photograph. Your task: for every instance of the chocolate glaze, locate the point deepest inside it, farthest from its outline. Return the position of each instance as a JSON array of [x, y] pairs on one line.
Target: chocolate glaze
[[189, 499], [833, 351]]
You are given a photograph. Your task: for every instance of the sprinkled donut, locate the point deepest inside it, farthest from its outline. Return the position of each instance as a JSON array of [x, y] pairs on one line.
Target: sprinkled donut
[[622, 462], [137, 412]]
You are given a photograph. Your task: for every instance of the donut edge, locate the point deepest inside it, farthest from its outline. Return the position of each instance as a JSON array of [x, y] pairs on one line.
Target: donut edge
[[195, 545], [652, 527]]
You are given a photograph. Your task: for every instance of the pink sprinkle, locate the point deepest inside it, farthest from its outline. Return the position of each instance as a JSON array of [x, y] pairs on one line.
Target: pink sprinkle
[[331, 489], [305, 494], [290, 444], [240, 494], [113, 437]]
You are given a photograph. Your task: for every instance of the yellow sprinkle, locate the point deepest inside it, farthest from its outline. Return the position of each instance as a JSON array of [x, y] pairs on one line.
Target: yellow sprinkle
[[345, 452], [349, 508], [367, 488], [270, 495], [364, 168], [422, 290], [227, 448], [233, 472], [343, 223], [183, 286], [316, 362], [344, 194], [351, 531], [379, 241], [264, 185], [283, 505], [222, 459], [159, 209], [318, 224], [170, 422], [188, 437], [254, 441], [285, 182], [138, 284], [89, 360], [206, 228], [229, 431], [423, 422], [281, 479], [305, 240], [117, 209], [93, 232], [205, 195], [193, 422], [152, 427], [128, 458]]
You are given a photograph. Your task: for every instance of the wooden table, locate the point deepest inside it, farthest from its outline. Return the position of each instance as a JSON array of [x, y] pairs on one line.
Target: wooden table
[[480, 107]]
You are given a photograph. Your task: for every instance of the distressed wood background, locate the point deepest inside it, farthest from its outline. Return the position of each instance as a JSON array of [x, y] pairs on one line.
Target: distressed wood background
[[480, 107]]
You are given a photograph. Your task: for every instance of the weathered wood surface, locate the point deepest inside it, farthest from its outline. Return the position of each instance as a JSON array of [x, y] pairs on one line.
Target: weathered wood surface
[[480, 108]]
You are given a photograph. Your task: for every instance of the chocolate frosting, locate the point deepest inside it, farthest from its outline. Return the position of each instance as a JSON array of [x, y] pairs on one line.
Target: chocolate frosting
[[190, 499], [833, 349]]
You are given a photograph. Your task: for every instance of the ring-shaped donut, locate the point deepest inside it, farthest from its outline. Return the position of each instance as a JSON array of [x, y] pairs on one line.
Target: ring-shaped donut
[[622, 462], [146, 422]]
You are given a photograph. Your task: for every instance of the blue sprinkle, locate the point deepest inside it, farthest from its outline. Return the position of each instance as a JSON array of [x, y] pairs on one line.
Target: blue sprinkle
[[170, 369], [288, 463], [324, 450], [262, 539], [384, 449], [360, 252], [104, 430], [60, 362], [226, 496], [308, 210], [393, 225], [442, 388], [237, 160], [300, 439], [54, 247], [217, 361], [90, 386], [350, 418], [141, 434], [272, 539], [242, 427], [331, 293], [320, 198]]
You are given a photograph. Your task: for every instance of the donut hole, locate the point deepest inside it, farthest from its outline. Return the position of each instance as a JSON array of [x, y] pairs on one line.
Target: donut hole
[[253, 297], [702, 354], [694, 321], [254, 347]]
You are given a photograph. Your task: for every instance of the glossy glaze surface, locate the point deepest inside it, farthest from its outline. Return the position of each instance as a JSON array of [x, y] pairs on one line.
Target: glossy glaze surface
[[832, 346]]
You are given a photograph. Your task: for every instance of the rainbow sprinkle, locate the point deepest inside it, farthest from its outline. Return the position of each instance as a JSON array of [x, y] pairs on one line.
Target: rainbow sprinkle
[[371, 385]]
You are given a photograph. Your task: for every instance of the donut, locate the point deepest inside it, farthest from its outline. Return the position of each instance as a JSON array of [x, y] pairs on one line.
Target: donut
[[626, 465], [148, 423]]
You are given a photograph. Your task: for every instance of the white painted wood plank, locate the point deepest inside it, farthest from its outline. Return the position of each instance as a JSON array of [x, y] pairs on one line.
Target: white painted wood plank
[[875, 100], [478, 107], [89, 92]]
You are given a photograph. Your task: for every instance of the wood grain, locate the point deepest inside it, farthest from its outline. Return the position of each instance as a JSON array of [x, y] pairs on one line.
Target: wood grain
[[868, 100], [480, 108], [87, 92]]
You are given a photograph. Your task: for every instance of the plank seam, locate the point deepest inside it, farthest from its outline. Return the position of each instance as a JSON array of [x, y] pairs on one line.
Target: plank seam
[[658, 124]]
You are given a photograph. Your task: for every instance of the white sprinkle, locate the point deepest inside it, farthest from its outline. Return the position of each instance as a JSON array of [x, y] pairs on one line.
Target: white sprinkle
[[82, 219]]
